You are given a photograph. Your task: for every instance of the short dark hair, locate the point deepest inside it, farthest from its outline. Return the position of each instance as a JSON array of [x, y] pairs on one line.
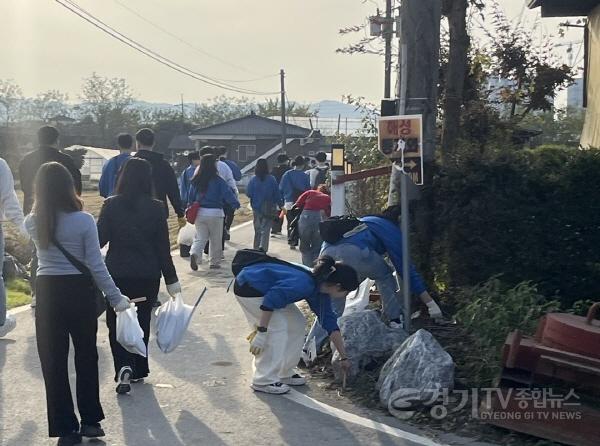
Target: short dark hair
[[299, 161], [124, 140], [145, 137], [282, 158], [47, 135], [321, 157], [193, 156], [207, 150], [262, 168]]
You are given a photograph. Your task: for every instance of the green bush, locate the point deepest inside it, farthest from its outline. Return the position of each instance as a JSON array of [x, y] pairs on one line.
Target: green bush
[[488, 312], [18, 293], [530, 215]]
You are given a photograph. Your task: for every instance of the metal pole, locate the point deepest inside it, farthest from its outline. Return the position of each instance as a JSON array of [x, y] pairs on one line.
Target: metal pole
[[387, 34], [283, 123]]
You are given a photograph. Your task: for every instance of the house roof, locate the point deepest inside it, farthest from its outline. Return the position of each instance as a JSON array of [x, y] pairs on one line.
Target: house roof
[[564, 8], [181, 142], [252, 125]]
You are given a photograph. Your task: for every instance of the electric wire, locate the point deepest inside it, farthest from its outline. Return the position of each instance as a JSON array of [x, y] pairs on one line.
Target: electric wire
[[194, 47], [77, 10]]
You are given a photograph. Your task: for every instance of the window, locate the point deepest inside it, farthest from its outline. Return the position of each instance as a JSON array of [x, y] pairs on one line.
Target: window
[[246, 152]]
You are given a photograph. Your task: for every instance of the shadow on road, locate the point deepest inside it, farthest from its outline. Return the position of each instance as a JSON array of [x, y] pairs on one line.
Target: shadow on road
[[195, 433]]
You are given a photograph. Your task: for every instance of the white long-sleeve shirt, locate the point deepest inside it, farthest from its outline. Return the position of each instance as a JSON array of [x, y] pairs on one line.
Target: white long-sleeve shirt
[[10, 208], [226, 173]]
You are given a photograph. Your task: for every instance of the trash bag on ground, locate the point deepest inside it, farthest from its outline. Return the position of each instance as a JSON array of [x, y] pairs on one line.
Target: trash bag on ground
[[367, 339], [359, 299], [129, 333], [172, 320], [186, 235], [416, 374]]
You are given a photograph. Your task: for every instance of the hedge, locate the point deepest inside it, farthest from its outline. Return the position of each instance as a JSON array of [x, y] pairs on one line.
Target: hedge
[[529, 215]]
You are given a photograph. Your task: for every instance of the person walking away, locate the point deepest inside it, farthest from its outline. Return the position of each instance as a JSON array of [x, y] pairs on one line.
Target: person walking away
[[316, 206], [163, 175], [66, 303], [283, 165], [221, 153], [48, 139], [267, 293], [187, 175], [110, 171], [212, 193], [319, 173], [364, 250], [10, 210], [133, 223], [265, 200], [293, 184]]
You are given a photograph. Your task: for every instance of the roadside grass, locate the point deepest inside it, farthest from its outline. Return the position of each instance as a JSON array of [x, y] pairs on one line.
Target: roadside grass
[[18, 293]]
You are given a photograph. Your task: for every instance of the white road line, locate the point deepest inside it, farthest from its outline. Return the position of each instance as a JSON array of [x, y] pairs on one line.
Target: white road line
[[311, 403]]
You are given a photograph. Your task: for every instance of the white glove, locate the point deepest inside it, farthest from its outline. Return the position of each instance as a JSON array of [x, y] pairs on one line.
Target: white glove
[[434, 310], [174, 289], [123, 304], [258, 341]]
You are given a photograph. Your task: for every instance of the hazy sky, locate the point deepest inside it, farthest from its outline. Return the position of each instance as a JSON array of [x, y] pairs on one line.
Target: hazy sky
[[44, 46]]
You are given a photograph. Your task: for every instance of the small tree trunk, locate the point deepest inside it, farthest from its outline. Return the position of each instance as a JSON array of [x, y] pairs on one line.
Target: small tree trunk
[[456, 11]]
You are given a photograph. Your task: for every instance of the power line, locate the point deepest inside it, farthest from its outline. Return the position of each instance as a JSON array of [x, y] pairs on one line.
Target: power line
[[194, 47], [82, 13]]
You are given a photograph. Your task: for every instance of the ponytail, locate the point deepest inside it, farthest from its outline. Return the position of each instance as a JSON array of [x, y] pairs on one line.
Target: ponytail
[[327, 270]]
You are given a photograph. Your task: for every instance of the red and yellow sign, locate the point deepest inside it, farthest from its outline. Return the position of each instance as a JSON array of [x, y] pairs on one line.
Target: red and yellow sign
[[401, 138]]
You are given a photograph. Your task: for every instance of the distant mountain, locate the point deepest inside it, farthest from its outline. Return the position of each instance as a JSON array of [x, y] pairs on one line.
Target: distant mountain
[[332, 109]]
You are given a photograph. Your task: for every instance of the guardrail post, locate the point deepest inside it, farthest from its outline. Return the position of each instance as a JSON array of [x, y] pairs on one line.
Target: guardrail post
[[338, 195]]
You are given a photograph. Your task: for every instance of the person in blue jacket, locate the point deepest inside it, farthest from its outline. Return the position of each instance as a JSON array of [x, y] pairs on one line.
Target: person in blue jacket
[[110, 171], [364, 250], [265, 200], [221, 152], [294, 182], [212, 193], [267, 293], [185, 180]]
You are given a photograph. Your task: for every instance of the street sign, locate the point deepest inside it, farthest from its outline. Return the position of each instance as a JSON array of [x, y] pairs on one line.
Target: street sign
[[401, 139]]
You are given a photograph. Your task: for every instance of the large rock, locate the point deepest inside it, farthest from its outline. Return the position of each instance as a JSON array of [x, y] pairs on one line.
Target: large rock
[[366, 338], [416, 374]]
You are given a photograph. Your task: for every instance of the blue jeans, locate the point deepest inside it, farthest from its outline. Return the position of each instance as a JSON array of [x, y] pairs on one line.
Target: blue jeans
[[367, 264], [2, 289], [310, 238]]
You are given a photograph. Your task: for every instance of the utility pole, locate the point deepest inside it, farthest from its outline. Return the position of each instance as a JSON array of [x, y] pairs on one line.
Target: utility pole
[[283, 123], [417, 94], [388, 32], [182, 114]]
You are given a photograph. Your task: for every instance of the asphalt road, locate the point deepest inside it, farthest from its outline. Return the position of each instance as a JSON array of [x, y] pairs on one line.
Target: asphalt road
[[196, 395]]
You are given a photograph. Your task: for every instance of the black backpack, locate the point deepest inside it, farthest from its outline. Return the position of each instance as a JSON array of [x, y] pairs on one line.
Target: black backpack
[[247, 257], [333, 229]]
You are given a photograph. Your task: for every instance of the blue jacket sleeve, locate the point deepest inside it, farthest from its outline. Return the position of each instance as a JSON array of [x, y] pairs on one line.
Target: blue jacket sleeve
[[320, 304], [235, 170], [184, 187], [391, 237], [306, 182], [228, 196], [250, 188], [103, 185], [283, 185]]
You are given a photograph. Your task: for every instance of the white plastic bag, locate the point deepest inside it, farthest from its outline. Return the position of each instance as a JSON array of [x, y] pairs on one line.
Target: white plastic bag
[[172, 320], [129, 333], [186, 235], [359, 299]]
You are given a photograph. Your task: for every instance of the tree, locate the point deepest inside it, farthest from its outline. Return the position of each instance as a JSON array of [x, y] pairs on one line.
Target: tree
[[47, 105], [11, 97], [108, 101], [221, 109], [272, 107]]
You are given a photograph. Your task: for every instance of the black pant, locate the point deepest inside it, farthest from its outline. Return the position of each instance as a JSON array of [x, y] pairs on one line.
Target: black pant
[[229, 215], [277, 225], [133, 288], [66, 307]]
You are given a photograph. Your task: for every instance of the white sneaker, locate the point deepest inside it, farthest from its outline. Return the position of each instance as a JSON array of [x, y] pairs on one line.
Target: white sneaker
[[9, 325], [295, 380], [275, 388], [124, 383]]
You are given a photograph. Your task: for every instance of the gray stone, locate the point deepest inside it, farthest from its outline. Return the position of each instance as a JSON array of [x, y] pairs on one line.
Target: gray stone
[[366, 338], [417, 373]]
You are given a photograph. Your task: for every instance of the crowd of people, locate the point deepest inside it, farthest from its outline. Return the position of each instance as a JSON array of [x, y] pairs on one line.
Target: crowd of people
[[73, 283]]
